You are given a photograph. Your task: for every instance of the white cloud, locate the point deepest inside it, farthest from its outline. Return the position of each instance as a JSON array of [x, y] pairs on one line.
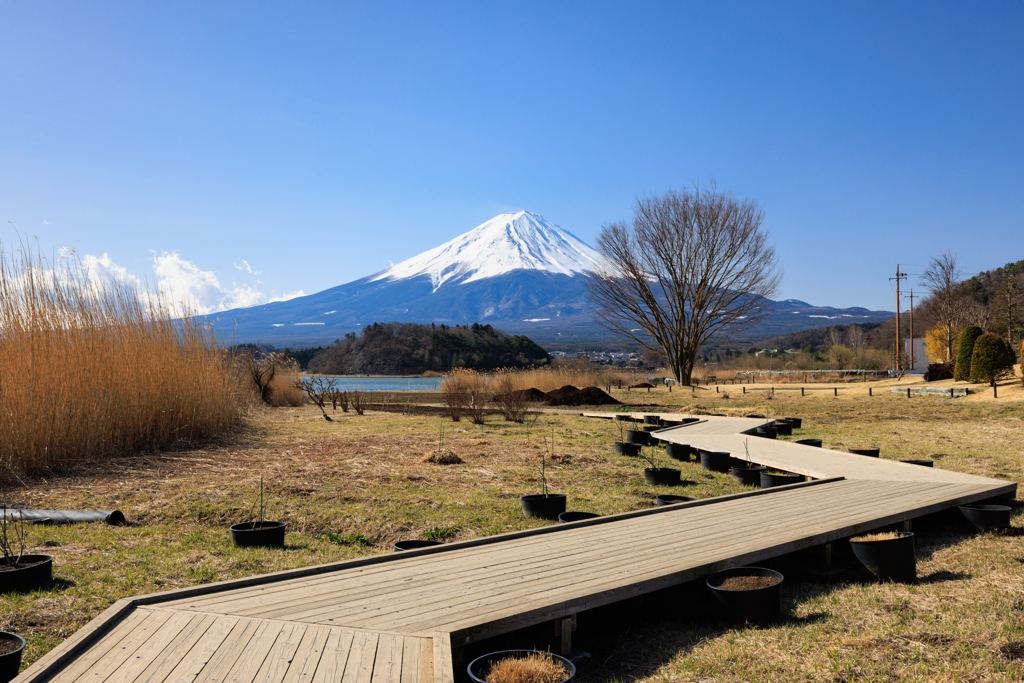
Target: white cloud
[[244, 265], [103, 272], [189, 289]]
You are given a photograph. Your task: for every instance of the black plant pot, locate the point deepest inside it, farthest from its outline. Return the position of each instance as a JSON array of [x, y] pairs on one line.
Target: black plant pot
[[627, 448], [661, 476], [671, 423], [638, 436], [796, 422], [770, 480], [783, 428], [266, 534], [414, 545], [481, 666], [987, 517], [716, 461], [761, 606], [678, 451], [577, 516], [922, 463], [10, 662], [623, 418], [669, 499], [890, 559], [690, 420], [33, 572], [652, 420], [749, 476], [870, 452], [810, 442], [547, 507], [767, 432]]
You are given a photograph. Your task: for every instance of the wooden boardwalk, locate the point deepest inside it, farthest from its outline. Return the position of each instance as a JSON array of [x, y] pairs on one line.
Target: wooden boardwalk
[[402, 618]]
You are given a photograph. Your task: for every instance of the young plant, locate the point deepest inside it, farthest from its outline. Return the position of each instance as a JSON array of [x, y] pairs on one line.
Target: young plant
[[649, 456], [12, 525], [258, 509], [550, 451]]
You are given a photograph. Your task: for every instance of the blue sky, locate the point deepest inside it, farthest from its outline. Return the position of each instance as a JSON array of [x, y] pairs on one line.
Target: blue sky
[[254, 149]]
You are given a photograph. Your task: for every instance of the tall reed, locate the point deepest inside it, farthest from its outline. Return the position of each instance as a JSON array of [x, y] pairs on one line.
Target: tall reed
[[89, 371]]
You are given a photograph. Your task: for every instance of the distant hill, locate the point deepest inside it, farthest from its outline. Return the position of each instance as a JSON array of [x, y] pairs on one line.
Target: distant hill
[[412, 349], [516, 271]]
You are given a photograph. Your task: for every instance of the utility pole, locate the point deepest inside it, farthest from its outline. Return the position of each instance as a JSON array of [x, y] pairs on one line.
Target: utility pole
[[899, 361], [911, 297]]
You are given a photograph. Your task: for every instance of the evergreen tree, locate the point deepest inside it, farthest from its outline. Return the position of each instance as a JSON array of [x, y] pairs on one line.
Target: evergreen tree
[[962, 370], [991, 358]]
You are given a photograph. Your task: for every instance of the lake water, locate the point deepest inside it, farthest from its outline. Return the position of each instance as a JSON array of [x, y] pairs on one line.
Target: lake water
[[386, 383]]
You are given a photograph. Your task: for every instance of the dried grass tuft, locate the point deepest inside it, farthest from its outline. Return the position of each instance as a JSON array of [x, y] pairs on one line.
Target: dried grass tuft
[[536, 667], [879, 536], [446, 457]]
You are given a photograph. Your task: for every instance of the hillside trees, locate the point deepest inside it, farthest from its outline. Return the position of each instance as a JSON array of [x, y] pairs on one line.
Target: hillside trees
[[690, 264], [949, 303], [409, 348]]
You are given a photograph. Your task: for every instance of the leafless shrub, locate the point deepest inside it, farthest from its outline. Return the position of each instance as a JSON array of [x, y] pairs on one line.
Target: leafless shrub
[[319, 390], [454, 391], [356, 398], [511, 401]]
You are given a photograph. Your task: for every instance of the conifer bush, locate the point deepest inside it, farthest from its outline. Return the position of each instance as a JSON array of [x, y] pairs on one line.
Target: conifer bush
[[962, 370], [992, 358]]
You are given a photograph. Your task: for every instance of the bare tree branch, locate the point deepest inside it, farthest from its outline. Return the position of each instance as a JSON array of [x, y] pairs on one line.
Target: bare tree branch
[[692, 264]]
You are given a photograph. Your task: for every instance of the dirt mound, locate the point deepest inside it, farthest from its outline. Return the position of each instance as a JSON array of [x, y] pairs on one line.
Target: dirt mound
[[530, 395], [642, 385], [571, 396]]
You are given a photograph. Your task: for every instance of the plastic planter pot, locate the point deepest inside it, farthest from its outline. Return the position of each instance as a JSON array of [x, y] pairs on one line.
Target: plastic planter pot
[[922, 463], [796, 422], [627, 448], [758, 604], [809, 442], [669, 499], [10, 661], [870, 452], [661, 476], [749, 476], [546, 507], [414, 545], [624, 418], [481, 666], [577, 516], [251, 534], [767, 432], [678, 451], [638, 436], [671, 423], [716, 461], [773, 479], [34, 571], [889, 559], [689, 420], [652, 420], [782, 427], [987, 517]]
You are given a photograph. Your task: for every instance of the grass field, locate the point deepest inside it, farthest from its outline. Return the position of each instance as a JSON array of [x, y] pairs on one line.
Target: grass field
[[354, 486]]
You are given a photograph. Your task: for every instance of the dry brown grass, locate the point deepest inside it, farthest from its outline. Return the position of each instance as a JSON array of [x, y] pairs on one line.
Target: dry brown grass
[[536, 667], [88, 371], [879, 536], [284, 392]]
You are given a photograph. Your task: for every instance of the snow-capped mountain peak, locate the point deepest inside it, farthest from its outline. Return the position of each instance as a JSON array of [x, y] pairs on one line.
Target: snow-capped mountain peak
[[507, 242]]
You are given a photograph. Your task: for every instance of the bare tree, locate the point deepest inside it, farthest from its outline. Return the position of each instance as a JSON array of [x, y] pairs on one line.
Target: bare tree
[[950, 303], [692, 264], [261, 369], [320, 390]]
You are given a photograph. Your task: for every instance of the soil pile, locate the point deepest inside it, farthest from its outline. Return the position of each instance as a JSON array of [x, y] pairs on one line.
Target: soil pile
[[530, 395], [746, 583], [571, 396]]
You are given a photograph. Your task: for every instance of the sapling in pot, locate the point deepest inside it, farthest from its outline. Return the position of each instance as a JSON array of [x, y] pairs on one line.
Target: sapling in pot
[[20, 571], [658, 476], [748, 473], [546, 505], [622, 446], [258, 531]]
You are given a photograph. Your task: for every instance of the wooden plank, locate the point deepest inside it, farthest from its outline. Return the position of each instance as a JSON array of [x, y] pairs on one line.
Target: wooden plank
[[359, 668], [236, 646], [387, 667], [162, 665], [279, 658], [137, 657], [191, 666], [444, 671], [331, 667], [307, 655], [107, 643]]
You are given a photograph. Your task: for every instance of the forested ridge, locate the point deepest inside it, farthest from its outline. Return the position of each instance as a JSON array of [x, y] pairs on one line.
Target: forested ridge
[[410, 348]]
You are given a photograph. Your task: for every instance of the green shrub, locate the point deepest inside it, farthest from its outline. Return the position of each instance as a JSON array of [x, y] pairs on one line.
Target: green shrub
[[992, 357], [965, 349]]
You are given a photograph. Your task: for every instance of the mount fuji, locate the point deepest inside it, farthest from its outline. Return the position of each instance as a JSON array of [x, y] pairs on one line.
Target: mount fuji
[[517, 271]]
